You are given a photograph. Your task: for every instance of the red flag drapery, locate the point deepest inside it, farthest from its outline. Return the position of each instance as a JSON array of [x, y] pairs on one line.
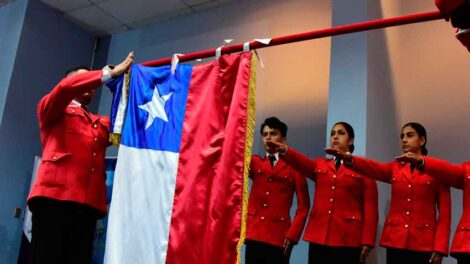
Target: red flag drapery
[[211, 185]]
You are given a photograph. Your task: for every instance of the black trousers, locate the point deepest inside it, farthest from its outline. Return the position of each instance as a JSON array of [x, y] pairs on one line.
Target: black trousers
[[462, 258], [400, 256], [262, 253], [321, 254], [62, 232]]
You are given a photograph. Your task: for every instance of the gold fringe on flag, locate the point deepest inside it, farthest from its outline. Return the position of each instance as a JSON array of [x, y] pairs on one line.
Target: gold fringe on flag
[[115, 138], [250, 128]]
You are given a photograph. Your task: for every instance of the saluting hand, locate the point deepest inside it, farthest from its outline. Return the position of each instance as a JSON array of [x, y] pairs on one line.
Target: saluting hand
[[436, 258], [339, 154], [279, 147], [411, 158]]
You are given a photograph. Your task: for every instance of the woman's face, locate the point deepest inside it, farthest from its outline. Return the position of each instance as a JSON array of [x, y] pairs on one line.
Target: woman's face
[[339, 138], [411, 141]]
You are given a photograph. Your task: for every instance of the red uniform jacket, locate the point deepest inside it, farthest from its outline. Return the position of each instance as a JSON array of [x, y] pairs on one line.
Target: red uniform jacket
[[73, 144], [412, 222], [457, 176], [270, 202], [344, 211], [447, 6]]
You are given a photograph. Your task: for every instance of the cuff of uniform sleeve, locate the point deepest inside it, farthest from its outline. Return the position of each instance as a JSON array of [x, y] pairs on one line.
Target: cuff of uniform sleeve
[[106, 73]]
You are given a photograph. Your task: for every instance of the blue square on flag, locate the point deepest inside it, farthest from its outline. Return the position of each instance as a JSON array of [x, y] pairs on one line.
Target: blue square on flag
[[155, 113]]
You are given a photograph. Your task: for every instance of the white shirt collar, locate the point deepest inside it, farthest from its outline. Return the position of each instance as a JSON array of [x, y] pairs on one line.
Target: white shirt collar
[[334, 157], [76, 102], [275, 155]]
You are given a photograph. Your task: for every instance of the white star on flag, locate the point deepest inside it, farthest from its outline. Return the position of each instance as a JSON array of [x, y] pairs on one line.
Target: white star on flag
[[156, 107]]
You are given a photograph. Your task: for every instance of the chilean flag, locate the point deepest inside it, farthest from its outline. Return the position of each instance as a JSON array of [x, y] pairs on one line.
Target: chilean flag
[[180, 185]]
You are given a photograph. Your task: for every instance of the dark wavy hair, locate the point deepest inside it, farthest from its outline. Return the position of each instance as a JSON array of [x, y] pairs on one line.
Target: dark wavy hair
[[421, 133], [74, 69], [274, 123], [350, 131]]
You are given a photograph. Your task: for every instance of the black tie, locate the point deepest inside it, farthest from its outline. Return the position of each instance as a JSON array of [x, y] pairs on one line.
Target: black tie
[[337, 163], [272, 159]]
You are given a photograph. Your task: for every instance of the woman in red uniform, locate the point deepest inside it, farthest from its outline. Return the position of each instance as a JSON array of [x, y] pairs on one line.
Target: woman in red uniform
[[414, 232], [457, 176], [342, 224]]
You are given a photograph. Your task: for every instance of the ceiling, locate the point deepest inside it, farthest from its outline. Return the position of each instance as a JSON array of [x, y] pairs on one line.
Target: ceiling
[[105, 17]]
